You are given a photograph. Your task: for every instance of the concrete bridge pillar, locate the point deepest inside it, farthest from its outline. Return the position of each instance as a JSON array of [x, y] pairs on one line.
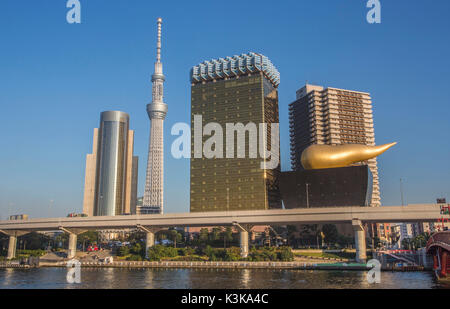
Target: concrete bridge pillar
[[149, 242], [243, 234], [360, 241], [73, 236], [244, 243], [12, 247], [149, 237], [72, 250]]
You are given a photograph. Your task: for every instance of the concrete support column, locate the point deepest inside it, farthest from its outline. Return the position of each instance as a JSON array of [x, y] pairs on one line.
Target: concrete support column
[[243, 234], [149, 242], [12, 247], [72, 250], [360, 241], [149, 237], [244, 243], [73, 232]]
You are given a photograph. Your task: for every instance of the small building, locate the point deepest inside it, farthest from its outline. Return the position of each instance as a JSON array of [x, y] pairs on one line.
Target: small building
[[18, 217]]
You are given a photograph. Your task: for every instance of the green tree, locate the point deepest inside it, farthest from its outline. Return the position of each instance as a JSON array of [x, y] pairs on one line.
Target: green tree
[[291, 233], [161, 235], [62, 240], [137, 249], [135, 236], [344, 241], [123, 251], [215, 234], [232, 254], [88, 238], [227, 236], [33, 241], [204, 236], [286, 254], [175, 237], [209, 252], [331, 233], [158, 252]]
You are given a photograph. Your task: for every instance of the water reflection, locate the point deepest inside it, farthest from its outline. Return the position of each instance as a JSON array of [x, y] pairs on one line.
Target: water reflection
[[211, 278], [245, 278]]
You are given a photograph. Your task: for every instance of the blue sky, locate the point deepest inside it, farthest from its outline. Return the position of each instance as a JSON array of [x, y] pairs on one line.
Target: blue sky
[[56, 78]]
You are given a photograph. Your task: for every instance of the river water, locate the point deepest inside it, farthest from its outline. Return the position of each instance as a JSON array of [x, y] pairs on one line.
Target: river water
[[211, 279]]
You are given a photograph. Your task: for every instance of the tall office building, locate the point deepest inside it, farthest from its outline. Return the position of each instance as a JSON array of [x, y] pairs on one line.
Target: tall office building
[[332, 116], [111, 170], [157, 110], [239, 89]]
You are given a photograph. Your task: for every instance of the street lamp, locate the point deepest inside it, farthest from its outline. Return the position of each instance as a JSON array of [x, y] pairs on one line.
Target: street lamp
[[228, 199], [307, 195]]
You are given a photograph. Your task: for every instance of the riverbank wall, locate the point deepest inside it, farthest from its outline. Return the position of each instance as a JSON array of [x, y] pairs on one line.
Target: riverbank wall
[[216, 265]]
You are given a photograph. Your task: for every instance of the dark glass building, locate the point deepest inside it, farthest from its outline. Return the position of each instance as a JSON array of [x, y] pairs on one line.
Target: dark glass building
[[238, 89], [330, 187]]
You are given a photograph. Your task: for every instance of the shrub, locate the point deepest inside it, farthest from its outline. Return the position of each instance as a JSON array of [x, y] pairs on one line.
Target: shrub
[[134, 257], [156, 253], [123, 251], [285, 254], [137, 249], [232, 254]]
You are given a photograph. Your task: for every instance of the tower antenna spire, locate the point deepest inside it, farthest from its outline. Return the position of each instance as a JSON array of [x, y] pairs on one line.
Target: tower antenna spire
[[156, 110], [158, 44]]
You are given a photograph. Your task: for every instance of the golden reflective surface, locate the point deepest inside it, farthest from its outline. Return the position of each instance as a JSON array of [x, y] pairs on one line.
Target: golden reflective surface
[[222, 184], [331, 156]]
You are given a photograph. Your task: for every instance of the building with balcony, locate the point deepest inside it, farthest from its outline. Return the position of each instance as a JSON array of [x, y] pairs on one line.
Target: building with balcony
[[332, 116]]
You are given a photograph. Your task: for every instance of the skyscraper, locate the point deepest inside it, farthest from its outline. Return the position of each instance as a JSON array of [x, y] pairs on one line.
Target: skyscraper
[[332, 116], [157, 110], [239, 89], [111, 170]]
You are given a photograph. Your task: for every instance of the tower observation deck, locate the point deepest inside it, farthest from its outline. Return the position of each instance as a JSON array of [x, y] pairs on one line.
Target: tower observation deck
[[157, 110]]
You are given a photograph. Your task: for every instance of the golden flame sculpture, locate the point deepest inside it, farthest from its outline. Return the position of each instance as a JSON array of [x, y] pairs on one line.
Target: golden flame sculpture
[[327, 156]]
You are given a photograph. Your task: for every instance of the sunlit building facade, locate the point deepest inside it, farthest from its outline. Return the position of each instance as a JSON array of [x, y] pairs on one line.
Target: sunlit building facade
[[332, 116], [111, 170], [238, 89]]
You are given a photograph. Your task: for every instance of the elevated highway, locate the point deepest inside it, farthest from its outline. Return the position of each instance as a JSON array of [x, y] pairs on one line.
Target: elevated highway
[[243, 220]]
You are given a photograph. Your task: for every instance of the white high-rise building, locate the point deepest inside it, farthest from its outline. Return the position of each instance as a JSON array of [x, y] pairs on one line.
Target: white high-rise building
[[157, 110]]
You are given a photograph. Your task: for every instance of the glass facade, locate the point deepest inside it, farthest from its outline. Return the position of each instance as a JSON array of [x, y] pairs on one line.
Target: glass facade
[[227, 184], [111, 163]]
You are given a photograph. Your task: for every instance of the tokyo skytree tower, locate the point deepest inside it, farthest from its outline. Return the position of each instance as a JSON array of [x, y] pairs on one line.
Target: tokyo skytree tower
[[157, 109]]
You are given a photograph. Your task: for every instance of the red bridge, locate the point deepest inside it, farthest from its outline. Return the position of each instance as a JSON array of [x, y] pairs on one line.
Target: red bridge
[[439, 246]]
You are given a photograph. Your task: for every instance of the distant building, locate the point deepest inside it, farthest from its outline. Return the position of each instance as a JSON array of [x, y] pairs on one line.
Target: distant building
[[406, 231], [384, 232], [18, 217], [111, 170], [396, 235], [239, 89], [73, 215], [332, 116], [146, 210]]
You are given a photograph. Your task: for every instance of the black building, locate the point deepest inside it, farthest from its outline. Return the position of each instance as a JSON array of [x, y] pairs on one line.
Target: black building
[[331, 187]]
